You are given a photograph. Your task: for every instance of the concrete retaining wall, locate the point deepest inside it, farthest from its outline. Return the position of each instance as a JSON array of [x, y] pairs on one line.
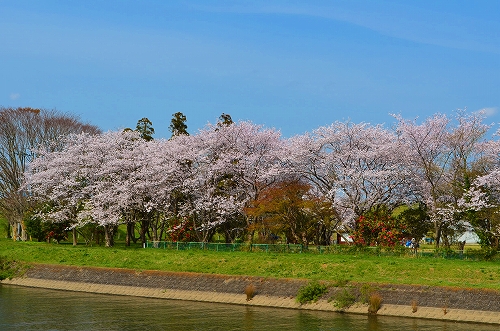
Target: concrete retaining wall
[[428, 302]]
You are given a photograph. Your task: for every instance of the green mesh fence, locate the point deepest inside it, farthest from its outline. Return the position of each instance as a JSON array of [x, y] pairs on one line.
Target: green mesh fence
[[223, 247], [333, 249]]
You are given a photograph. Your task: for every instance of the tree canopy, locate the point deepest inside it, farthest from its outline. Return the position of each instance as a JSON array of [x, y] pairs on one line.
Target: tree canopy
[[178, 125], [23, 132], [242, 179], [145, 128]]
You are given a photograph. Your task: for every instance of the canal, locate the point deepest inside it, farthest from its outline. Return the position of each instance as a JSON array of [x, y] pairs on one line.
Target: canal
[[23, 308]]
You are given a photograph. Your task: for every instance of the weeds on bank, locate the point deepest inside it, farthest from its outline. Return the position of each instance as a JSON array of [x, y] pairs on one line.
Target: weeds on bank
[[344, 299], [375, 302], [340, 282], [364, 294], [365, 291], [311, 292], [10, 268], [250, 291], [414, 306], [445, 308]]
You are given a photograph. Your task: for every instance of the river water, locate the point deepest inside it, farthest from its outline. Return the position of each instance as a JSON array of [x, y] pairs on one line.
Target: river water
[[23, 308]]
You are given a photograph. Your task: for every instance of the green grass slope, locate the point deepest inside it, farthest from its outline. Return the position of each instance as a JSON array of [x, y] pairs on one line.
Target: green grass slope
[[329, 267]]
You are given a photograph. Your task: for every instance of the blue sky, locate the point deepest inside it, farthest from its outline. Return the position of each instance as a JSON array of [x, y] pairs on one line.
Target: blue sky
[[292, 65]]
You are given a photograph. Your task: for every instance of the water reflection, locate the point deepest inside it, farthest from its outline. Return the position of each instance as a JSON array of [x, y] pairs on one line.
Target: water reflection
[[39, 309]]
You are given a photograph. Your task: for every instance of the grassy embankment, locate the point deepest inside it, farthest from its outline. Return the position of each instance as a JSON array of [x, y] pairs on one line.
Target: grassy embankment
[[329, 267]]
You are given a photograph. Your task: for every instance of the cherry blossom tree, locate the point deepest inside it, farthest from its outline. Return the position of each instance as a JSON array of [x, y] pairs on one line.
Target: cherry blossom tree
[[257, 157], [233, 163], [356, 166], [112, 178], [87, 181], [208, 182], [168, 179], [444, 157], [482, 201]]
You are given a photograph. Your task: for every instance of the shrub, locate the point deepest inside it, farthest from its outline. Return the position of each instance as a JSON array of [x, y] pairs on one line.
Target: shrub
[[41, 230], [35, 228], [181, 230], [488, 253], [375, 301], [311, 292], [414, 306], [378, 228], [344, 299], [250, 291]]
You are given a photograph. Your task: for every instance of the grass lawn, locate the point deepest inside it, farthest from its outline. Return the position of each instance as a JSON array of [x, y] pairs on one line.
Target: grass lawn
[[328, 267], [3, 228]]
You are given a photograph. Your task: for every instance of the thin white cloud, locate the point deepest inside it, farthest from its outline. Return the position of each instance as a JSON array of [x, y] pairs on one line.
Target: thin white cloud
[[14, 96], [402, 20], [489, 111]]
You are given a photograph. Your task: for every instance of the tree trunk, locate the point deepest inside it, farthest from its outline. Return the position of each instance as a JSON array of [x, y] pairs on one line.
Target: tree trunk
[[13, 232], [144, 228], [97, 235], [130, 233], [154, 230], [24, 235], [437, 233], [108, 235], [75, 240], [9, 231], [227, 236]]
